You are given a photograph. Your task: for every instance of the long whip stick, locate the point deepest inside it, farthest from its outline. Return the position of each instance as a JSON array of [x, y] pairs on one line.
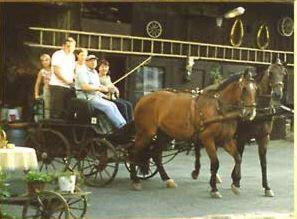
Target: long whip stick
[[130, 72]]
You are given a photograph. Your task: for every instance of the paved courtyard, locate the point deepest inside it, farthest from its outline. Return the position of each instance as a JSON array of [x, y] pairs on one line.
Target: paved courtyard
[[192, 199]]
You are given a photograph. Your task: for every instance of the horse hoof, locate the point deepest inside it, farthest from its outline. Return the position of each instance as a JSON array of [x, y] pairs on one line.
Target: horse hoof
[[170, 183], [218, 179], [136, 186], [269, 193], [235, 189], [195, 174], [216, 194]]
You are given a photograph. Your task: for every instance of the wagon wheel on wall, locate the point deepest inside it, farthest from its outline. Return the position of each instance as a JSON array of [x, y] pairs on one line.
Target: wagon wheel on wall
[[101, 165], [46, 205], [52, 149], [154, 29]]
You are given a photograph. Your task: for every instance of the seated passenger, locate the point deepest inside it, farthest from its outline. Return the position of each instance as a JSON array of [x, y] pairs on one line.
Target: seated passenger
[[87, 80], [124, 106]]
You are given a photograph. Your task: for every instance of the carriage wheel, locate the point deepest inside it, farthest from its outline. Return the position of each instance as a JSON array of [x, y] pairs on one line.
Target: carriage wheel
[[152, 170], [52, 149], [46, 205], [101, 165]]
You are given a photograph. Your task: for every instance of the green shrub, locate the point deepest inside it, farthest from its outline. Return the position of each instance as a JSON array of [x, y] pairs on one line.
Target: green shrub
[[35, 176]]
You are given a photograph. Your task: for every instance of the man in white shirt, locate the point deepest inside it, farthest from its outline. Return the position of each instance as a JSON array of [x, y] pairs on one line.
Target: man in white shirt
[[63, 64]]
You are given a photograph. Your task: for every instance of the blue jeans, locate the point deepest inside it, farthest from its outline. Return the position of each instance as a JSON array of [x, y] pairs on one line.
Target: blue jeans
[[110, 109]]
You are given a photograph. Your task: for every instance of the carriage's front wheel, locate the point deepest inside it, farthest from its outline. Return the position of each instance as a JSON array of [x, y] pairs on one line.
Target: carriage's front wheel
[[101, 165]]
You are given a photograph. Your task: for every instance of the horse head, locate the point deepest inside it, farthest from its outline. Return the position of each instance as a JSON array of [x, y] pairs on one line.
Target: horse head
[[276, 74], [248, 95]]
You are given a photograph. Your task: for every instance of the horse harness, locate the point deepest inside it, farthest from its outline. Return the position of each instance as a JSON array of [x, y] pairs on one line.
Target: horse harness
[[225, 111]]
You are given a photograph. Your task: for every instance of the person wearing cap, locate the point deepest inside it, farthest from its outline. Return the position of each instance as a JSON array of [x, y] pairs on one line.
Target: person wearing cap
[[63, 64], [125, 107], [88, 81]]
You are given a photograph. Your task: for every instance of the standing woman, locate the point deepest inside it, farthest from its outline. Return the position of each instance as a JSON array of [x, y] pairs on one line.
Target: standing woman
[[124, 106], [80, 64], [43, 78]]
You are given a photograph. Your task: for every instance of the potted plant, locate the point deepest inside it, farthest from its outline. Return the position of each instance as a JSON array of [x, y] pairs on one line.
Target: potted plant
[[67, 181], [37, 181]]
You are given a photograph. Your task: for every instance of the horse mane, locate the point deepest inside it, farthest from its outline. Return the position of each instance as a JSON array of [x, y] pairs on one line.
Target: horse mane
[[229, 80], [260, 73]]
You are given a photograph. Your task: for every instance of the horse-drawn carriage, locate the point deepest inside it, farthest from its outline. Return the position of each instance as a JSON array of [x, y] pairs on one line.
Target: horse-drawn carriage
[[84, 140]]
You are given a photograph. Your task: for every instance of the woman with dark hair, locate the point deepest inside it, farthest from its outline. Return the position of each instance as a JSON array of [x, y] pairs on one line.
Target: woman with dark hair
[[124, 106]]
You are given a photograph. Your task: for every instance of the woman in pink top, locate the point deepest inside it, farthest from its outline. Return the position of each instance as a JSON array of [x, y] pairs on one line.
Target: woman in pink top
[[43, 78]]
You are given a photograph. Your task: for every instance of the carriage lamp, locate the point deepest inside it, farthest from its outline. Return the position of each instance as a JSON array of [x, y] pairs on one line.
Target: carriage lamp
[[229, 14], [234, 12]]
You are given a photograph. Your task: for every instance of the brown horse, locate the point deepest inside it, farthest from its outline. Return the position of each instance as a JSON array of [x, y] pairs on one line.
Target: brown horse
[[211, 117], [270, 91]]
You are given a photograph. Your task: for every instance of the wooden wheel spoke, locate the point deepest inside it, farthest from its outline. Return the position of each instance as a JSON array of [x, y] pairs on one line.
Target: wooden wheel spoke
[[107, 173], [73, 215], [71, 203]]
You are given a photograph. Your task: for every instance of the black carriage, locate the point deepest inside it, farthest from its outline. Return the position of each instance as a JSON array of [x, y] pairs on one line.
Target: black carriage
[[83, 142]]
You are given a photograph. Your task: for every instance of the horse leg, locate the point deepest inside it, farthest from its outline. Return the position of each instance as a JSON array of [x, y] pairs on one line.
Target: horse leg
[[240, 146], [157, 158], [141, 141], [214, 166], [262, 149], [195, 172], [231, 148]]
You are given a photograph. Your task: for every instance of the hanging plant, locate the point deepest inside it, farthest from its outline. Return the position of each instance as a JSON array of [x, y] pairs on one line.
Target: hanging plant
[[215, 74]]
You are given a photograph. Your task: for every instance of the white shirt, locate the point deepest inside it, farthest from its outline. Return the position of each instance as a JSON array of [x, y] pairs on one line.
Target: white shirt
[[66, 62], [79, 67]]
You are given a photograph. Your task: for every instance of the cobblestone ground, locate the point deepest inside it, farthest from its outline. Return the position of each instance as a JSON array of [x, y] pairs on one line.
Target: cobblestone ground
[[191, 199]]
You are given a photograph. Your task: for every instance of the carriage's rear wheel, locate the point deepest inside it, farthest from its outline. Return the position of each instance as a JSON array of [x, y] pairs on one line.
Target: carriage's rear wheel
[[52, 149], [101, 165], [46, 205]]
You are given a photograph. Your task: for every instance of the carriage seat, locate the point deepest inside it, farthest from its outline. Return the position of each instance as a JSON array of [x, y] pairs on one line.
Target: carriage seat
[[81, 111]]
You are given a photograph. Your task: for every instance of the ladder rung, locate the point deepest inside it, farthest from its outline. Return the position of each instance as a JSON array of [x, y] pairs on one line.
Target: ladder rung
[[121, 44], [110, 43], [89, 41]]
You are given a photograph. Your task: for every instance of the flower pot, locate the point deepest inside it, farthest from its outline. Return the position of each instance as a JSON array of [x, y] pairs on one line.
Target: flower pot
[[67, 183], [34, 187]]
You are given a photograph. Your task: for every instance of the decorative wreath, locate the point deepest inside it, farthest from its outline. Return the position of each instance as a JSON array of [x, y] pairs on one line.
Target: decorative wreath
[[237, 23], [259, 34]]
